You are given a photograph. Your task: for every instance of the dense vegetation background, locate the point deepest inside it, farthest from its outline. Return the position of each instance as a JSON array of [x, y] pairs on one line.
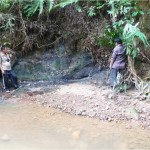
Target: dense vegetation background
[[80, 25]]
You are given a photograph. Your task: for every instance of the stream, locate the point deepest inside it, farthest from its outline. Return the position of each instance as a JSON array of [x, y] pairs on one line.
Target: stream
[[29, 126]]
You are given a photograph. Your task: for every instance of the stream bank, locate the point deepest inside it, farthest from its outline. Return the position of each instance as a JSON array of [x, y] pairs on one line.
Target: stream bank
[[85, 97]]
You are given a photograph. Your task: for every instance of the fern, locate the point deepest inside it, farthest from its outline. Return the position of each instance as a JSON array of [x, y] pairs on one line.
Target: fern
[[129, 30], [7, 21], [131, 34], [32, 7], [50, 5], [4, 4], [41, 2], [64, 3], [37, 5]]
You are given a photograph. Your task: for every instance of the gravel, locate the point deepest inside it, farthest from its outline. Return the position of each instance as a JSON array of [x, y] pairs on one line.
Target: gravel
[[87, 99]]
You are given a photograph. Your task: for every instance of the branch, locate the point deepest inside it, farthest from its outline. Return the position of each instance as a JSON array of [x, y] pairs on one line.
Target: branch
[[19, 44], [49, 44], [24, 28], [145, 56]]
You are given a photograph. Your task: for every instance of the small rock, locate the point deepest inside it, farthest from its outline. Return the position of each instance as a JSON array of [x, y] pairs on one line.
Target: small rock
[[76, 134], [142, 98], [109, 119], [107, 107], [52, 114], [120, 109], [110, 96], [128, 126], [30, 93], [44, 103], [5, 137], [83, 113], [144, 110]]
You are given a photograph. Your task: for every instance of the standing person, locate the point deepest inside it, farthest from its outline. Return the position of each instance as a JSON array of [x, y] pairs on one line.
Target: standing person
[[6, 69], [118, 61]]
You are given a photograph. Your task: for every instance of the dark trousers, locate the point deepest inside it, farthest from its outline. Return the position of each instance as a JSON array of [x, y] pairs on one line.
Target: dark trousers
[[113, 75], [9, 79]]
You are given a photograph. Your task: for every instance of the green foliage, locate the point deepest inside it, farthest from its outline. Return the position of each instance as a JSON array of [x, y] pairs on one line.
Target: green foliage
[[78, 8], [124, 14], [122, 7], [104, 41], [134, 113], [95, 6], [64, 3], [7, 22], [121, 88], [50, 5], [91, 11], [4, 4], [31, 7], [37, 5], [131, 36], [6, 18]]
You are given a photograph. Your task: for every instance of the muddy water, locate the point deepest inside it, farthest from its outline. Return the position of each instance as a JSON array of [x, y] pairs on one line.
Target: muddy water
[[32, 127]]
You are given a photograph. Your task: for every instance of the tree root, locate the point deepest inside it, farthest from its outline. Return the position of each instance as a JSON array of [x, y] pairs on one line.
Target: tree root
[[142, 86]]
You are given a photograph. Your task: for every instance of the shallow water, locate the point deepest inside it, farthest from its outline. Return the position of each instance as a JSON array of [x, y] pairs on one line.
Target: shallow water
[[29, 126]]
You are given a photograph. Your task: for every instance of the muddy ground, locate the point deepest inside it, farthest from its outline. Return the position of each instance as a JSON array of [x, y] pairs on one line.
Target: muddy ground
[[29, 126], [85, 97]]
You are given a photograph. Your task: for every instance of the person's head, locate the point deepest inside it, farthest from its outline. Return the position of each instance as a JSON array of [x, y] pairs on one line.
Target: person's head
[[4, 49], [118, 41]]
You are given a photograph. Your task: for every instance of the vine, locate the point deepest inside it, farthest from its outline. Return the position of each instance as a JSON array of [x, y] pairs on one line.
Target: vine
[[122, 20]]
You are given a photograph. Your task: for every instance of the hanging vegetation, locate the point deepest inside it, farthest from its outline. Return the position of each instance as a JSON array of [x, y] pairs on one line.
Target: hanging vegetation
[[82, 25]]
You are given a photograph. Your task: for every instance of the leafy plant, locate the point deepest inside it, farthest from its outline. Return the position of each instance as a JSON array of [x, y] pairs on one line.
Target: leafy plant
[[124, 13], [94, 7], [4, 4], [124, 18], [64, 3], [131, 36], [7, 21], [37, 5], [104, 41], [91, 11]]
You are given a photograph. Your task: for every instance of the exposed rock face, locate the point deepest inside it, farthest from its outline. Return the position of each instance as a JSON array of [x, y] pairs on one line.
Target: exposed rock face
[[53, 65]]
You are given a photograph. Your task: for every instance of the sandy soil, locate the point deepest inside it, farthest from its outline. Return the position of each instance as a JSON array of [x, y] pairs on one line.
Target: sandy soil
[[85, 98], [30, 122], [28, 126]]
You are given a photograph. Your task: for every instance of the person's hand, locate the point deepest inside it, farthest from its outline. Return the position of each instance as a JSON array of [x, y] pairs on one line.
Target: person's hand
[[2, 71], [10, 51], [110, 67]]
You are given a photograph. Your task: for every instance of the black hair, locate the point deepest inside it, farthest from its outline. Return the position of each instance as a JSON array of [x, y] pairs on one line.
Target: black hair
[[3, 47], [118, 40]]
